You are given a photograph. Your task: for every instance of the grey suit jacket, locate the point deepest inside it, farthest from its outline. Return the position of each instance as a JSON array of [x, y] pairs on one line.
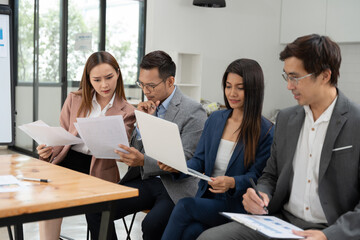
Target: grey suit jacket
[[190, 117], [339, 171]]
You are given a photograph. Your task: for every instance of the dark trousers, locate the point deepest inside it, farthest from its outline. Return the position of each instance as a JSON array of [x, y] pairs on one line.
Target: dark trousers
[[152, 195], [77, 161], [192, 216]]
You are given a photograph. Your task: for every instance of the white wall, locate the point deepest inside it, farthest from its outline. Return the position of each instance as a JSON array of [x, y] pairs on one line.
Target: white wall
[[5, 2], [349, 81], [244, 29]]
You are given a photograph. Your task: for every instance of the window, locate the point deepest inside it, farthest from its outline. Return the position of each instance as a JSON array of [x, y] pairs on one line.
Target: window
[[122, 36], [54, 38], [25, 41], [83, 36]]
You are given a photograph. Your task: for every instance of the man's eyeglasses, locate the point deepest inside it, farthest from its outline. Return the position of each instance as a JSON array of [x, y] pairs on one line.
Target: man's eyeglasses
[[150, 86], [294, 80]]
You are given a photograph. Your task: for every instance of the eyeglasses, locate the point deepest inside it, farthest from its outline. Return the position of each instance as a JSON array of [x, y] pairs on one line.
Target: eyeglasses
[[294, 80], [150, 86]]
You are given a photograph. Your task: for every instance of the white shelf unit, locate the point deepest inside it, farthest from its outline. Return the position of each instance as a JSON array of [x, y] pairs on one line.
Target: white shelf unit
[[188, 73]]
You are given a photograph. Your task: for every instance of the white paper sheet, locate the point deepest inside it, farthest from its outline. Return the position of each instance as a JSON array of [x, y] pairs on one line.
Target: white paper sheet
[[9, 183], [267, 225], [102, 135], [51, 136]]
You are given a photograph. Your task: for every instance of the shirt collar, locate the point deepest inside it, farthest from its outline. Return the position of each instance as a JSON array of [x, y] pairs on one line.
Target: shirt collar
[[109, 105], [167, 101], [326, 115]]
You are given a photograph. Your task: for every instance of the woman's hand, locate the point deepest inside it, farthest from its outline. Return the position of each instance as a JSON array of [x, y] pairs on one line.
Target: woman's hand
[[44, 152], [166, 167], [221, 184]]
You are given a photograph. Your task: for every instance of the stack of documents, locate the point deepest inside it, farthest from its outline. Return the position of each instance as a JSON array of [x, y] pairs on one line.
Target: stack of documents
[[101, 135], [270, 226]]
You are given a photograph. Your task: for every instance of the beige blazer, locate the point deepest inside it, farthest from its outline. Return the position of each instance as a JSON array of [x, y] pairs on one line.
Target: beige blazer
[[102, 168]]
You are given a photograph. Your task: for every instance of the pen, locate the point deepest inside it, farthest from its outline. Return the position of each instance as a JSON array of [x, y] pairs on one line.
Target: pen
[[257, 192], [35, 179]]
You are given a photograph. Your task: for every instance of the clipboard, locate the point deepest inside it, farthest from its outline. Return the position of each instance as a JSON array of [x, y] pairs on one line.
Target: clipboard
[[269, 226]]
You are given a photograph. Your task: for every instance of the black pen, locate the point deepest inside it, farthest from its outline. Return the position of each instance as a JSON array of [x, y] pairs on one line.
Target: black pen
[[35, 179], [257, 193]]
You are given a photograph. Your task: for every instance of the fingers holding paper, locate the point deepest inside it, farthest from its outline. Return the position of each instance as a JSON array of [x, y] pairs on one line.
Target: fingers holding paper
[[44, 151], [221, 184], [133, 158], [165, 167], [148, 106], [253, 204], [311, 234]]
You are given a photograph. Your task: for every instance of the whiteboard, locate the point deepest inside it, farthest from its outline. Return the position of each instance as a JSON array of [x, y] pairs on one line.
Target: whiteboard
[[6, 84]]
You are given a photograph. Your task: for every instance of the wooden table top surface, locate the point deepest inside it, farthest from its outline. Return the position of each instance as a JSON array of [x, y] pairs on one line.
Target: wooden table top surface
[[67, 188]]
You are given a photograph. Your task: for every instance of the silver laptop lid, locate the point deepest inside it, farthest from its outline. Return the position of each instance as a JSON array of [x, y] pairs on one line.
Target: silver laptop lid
[[161, 140]]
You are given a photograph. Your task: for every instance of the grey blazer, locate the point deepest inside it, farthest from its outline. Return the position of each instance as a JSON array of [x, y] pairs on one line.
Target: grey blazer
[[190, 117], [339, 171]]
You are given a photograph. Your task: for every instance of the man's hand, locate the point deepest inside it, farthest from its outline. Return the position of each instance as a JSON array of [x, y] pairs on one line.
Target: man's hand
[[148, 106], [166, 167], [133, 159], [221, 184], [311, 234], [253, 204], [43, 151]]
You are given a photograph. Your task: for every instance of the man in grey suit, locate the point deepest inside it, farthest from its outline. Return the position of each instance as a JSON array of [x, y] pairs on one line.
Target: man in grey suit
[[157, 190], [312, 178]]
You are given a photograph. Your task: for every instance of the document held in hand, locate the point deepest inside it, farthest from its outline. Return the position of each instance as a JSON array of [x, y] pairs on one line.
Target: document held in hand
[[51, 136], [270, 226], [102, 135]]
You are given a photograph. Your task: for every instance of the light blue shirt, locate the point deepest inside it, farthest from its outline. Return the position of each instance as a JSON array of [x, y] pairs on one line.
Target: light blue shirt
[[162, 108], [160, 111]]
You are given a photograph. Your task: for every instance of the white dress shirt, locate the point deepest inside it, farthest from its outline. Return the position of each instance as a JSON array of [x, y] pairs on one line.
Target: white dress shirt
[[95, 112], [224, 153], [304, 199]]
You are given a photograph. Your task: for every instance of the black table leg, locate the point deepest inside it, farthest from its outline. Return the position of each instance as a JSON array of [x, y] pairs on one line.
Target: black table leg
[[18, 229], [106, 218], [10, 233]]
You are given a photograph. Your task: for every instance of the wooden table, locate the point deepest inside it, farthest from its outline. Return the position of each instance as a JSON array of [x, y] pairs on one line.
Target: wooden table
[[69, 193]]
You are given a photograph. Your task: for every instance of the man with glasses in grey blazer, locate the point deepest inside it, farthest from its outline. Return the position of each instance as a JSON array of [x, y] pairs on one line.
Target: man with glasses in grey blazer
[[312, 178], [157, 190]]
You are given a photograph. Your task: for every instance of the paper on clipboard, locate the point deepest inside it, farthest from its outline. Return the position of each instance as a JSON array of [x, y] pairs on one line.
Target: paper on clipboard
[[270, 226], [102, 135], [51, 136]]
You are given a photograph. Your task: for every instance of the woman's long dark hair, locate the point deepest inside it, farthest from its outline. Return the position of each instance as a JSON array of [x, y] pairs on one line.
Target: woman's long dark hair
[[249, 130], [86, 89]]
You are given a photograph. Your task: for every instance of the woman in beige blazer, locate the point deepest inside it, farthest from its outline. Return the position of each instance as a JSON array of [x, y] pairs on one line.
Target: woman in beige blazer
[[101, 93]]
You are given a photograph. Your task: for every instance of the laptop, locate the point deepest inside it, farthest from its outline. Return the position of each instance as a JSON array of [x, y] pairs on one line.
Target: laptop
[[161, 141]]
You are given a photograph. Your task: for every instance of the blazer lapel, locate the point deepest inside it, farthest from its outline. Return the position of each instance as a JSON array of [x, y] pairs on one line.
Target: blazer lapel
[[118, 105], [294, 126], [216, 138], [235, 156], [173, 108], [336, 123]]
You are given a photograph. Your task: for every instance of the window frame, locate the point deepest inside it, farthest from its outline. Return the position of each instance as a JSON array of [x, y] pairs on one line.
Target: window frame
[[14, 4]]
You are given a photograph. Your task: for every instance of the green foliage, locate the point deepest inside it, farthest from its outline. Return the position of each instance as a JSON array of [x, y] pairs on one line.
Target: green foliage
[[49, 44], [26, 43]]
